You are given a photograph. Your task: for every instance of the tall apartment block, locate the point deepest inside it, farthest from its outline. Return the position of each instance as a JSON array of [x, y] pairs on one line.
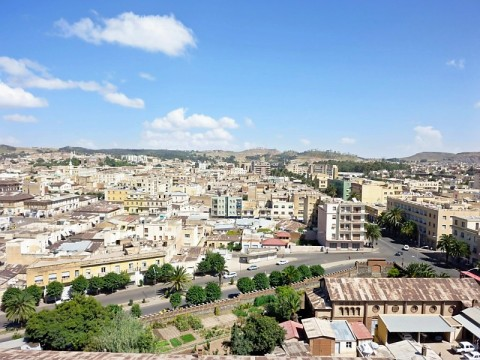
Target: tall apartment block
[[261, 168], [227, 206], [341, 225]]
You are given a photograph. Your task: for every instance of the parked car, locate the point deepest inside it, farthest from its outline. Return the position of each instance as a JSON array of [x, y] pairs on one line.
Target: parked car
[[252, 267], [282, 262], [233, 296], [474, 355], [230, 275], [399, 253], [405, 336], [406, 247], [464, 347]]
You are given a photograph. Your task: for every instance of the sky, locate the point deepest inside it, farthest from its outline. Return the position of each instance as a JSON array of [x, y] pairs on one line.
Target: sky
[[371, 78]]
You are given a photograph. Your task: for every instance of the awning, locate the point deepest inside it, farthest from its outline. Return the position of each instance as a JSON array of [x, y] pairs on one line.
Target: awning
[[66, 274], [52, 276], [467, 324], [38, 278], [416, 323]]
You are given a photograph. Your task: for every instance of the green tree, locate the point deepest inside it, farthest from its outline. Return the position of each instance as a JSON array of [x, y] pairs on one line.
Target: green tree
[[54, 290], [152, 275], [419, 270], [304, 271], [394, 273], [264, 334], [317, 270], [195, 295], [20, 307], [212, 292], [166, 271], [287, 304], [136, 311], [36, 292], [95, 284], [409, 229], [460, 249], [245, 285], [179, 279], [276, 278], [8, 295], [291, 275], [331, 191], [70, 326], [446, 244], [373, 232], [239, 344], [175, 300], [393, 219], [126, 334], [261, 281], [79, 285], [114, 309], [112, 282]]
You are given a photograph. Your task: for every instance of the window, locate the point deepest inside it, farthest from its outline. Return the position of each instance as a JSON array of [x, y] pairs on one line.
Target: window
[[144, 264], [77, 273], [349, 344], [130, 266], [103, 269], [65, 274]]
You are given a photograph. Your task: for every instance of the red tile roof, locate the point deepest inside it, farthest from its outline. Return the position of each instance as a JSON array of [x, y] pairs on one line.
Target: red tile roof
[[360, 331], [291, 327], [282, 234], [274, 242]]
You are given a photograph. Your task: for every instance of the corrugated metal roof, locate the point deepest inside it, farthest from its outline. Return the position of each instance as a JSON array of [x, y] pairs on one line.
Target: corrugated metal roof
[[315, 327], [360, 331], [473, 313], [416, 323], [342, 331], [402, 289], [468, 324]]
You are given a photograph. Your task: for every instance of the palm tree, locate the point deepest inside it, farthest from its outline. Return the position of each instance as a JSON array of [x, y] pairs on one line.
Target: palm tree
[[179, 279], [409, 229], [291, 274], [419, 270], [292, 301], [354, 195], [373, 232], [446, 243], [460, 249], [20, 307], [393, 219], [221, 269]]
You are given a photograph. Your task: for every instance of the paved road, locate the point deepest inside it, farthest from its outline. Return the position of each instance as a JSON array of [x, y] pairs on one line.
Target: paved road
[[386, 248]]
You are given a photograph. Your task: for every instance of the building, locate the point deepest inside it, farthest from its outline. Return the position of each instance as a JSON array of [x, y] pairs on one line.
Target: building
[[375, 192], [433, 215], [341, 225], [330, 170], [343, 187], [261, 168], [10, 186], [145, 204], [467, 229], [226, 206]]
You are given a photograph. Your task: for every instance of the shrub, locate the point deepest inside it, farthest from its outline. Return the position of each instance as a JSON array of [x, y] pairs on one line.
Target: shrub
[[263, 300], [181, 322], [195, 322], [245, 285], [130, 302]]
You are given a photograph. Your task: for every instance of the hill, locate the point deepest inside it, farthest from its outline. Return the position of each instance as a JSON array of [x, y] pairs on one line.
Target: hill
[[468, 157]]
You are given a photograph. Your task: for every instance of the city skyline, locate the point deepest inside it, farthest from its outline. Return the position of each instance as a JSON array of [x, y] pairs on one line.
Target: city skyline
[[375, 79]]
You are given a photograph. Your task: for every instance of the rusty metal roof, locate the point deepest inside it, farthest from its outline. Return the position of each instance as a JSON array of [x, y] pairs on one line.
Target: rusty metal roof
[[402, 289]]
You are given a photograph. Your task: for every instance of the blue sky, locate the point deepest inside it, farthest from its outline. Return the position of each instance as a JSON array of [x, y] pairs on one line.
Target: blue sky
[[373, 78]]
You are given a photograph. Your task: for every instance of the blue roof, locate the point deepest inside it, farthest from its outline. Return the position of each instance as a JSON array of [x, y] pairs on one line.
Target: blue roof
[[342, 331]]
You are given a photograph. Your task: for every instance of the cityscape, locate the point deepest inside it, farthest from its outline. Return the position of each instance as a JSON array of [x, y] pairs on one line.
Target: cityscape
[[233, 180]]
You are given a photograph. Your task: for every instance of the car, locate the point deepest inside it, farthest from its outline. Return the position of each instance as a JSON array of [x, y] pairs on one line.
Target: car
[[234, 295], [282, 262], [464, 347], [399, 253], [406, 247], [474, 355], [405, 336], [252, 267], [230, 275]]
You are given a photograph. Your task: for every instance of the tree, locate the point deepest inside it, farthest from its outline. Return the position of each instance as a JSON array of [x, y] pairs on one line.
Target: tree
[[394, 273], [373, 232], [419, 270], [276, 278], [175, 300], [261, 281], [317, 270], [9, 294], [287, 304], [20, 307], [212, 292], [291, 275], [114, 309], [152, 275], [264, 334], [179, 279], [245, 284], [354, 195], [79, 285], [393, 219], [136, 311], [409, 229], [460, 249], [54, 290], [70, 326], [304, 271], [95, 284], [125, 335], [112, 282], [195, 295], [239, 344], [36, 292], [166, 271], [446, 243]]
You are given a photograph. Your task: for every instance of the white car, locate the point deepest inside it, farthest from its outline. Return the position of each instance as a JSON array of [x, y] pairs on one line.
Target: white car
[[464, 347], [230, 275], [253, 267], [474, 355], [406, 247], [282, 262]]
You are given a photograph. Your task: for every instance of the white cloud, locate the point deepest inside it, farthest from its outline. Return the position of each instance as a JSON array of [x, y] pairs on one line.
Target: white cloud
[[477, 105], [15, 97], [347, 140], [153, 33], [249, 123], [426, 137], [89, 144], [20, 118], [456, 63], [197, 131], [9, 140], [147, 76], [305, 141], [25, 73]]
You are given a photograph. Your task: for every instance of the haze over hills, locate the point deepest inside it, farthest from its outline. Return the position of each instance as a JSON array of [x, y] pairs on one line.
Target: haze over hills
[[254, 154]]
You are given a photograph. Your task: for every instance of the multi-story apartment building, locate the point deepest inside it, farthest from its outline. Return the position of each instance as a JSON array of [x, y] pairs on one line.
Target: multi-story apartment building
[[433, 215], [145, 204], [9, 186], [49, 206], [344, 188], [118, 195], [226, 206], [341, 225], [375, 192], [330, 170], [261, 168], [282, 209], [310, 209], [420, 185], [467, 229]]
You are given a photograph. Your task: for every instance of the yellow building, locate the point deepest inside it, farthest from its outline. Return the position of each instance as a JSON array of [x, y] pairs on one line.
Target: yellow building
[[375, 192], [67, 269], [116, 195]]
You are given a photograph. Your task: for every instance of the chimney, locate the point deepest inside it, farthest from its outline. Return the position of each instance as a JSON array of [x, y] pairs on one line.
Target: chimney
[[424, 350]]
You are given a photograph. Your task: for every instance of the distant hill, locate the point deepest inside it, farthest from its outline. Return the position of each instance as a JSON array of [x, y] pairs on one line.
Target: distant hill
[[7, 149], [468, 157]]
